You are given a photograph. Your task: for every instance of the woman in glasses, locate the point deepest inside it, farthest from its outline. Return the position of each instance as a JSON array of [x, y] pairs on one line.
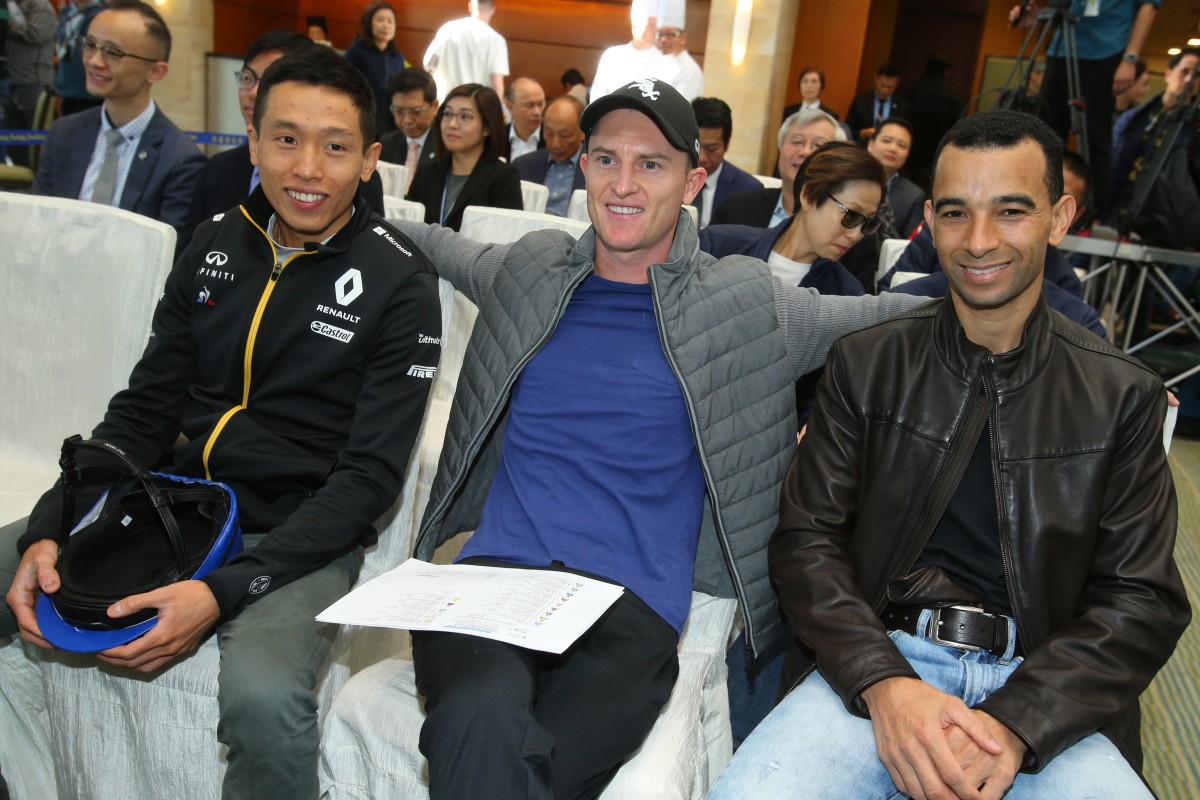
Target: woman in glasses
[[469, 140], [376, 56]]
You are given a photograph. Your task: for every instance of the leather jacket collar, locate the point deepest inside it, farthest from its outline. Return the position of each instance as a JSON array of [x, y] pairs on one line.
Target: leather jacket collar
[[1009, 371]]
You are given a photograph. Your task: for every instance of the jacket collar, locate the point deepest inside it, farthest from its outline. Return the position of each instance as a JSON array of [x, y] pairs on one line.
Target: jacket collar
[[680, 260], [1008, 371], [260, 211]]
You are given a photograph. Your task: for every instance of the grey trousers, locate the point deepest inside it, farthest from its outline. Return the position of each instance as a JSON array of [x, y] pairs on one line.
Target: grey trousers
[[271, 654]]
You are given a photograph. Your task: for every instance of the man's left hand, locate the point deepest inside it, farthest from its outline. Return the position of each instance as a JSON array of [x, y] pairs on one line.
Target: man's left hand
[[186, 612], [992, 774], [1123, 78]]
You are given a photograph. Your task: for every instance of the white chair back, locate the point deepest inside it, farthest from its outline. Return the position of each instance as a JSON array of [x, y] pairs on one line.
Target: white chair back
[[534, 196], [769, 182], [397, 208], [394, 177], [889, 253], [577, 208], [498, 225]]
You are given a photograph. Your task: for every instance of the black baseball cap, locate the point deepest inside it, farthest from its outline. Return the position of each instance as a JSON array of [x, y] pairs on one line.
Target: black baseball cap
[[658, 100]]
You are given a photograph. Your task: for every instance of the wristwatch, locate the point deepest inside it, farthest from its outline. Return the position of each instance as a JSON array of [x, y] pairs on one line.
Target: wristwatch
[[1131, 58]]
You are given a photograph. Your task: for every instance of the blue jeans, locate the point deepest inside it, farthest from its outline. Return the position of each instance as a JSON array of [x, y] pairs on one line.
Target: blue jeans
[[811, 747]]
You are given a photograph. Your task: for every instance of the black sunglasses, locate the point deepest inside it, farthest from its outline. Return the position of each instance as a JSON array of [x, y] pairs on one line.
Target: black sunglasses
[[853, 219]]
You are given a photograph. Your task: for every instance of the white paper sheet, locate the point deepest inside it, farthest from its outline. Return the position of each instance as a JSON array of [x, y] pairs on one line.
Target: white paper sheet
[[1169, 426], [539, 609]]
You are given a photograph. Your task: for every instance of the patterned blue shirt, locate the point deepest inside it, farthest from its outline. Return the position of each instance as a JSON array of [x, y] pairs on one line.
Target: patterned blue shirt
[[560, 180]]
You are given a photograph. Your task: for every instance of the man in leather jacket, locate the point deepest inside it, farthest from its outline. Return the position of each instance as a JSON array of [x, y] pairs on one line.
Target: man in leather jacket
[[975, 537]]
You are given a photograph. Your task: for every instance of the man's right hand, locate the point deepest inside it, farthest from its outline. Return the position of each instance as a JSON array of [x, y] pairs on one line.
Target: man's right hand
[[911, 720], [35, 572]]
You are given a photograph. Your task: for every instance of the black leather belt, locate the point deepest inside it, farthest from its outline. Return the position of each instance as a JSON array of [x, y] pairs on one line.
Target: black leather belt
[[965, 627]]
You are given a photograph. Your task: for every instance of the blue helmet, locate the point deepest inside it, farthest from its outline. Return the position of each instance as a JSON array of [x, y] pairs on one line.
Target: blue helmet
[[146, 530]]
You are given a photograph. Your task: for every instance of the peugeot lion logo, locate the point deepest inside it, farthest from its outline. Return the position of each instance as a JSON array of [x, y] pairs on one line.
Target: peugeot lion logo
[[216, 258]]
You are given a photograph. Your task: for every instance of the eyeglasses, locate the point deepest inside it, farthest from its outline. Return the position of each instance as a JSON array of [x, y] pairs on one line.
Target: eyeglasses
[[464, 118], [801, 142], [853, 219], [408, 112], [246, 79], [110, 54], [664, 34]]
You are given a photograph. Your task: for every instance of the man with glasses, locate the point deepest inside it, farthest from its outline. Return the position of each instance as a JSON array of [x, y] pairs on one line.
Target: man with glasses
[[126, 153], [672, 41], [976, 566], [414, 108], [229, 176]]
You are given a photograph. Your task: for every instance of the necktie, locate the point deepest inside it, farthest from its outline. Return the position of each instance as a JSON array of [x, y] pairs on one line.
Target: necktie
[[106, 182], [414, 156]]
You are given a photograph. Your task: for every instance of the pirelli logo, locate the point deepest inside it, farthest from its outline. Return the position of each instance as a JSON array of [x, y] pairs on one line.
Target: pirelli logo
[[418, 371]]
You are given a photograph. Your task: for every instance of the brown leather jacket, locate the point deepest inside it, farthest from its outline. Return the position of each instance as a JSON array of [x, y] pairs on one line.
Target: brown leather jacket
[[1086, 511]]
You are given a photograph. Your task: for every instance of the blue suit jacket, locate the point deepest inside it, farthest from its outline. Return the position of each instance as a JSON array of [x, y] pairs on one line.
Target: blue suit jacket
[[733, 179], [533, 167], [161, 178]]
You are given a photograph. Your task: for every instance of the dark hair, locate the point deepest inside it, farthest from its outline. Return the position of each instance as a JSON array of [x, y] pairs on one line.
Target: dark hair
[[820, 74], [410, 79], [320, 66], [1077, 166], [830, 167], [283, 42], [365, 35], [1172, 64], [936, 66], [572, 77], [317, 21], [488, 103], [1002, 130], [155, 26], [713, 112], [898, 121], [888, 70]]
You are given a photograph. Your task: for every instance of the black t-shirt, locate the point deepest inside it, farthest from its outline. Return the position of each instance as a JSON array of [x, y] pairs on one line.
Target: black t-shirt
[[966, 541]]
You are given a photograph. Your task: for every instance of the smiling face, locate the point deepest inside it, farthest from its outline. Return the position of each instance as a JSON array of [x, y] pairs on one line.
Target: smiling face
[[636, 183], [991, 219], [822, 226], [810, 87], [799, 143], [310, 159], [127, 77], [463, 130], [891, 145]]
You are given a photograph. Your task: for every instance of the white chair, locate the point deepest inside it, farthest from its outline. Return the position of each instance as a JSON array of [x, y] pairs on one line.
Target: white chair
[[80, 283], [769, 182], [116, 734], [399, 208], [394, 177], [486, 224], [577, 207], [889, 253], [534, 196], [370, 736]]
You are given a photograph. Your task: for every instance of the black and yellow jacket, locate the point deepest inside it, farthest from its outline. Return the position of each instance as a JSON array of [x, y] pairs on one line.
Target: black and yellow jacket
[[300, 382]]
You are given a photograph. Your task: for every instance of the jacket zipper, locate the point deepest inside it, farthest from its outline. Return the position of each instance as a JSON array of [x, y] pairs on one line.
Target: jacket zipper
[[251, 337], [708, 479], [1001, 528], [494, 412]]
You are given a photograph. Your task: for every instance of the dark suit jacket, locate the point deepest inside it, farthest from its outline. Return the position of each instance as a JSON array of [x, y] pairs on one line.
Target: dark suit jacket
[[160, 180], [395, 148], [491, 183], [733, 179], [908, 205], [508, 141], [862, 111], [533, 167], [225, 183], [753, 208]]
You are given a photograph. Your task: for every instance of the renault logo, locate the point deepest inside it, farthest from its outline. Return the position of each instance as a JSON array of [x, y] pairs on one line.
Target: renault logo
[[348, 287]]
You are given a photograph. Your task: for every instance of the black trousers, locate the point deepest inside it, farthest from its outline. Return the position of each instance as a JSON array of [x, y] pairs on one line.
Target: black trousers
[[506, 722], [1095, 88]]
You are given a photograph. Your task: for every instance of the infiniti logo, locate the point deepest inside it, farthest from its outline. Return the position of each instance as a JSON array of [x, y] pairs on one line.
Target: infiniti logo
[[216, 258]]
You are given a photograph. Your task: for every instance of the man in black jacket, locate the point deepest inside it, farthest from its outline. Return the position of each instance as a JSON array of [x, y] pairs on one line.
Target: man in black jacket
[[978, 564], [293, 349]]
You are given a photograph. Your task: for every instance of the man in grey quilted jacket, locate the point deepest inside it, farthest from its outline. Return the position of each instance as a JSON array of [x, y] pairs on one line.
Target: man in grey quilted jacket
[[626, 410]]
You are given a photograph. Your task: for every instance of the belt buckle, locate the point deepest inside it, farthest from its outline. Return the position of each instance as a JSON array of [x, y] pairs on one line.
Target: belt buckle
[[935, 622]]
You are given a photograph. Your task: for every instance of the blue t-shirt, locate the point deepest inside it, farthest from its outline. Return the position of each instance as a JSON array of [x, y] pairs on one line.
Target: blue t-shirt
[[598, 467], [1104, 34]]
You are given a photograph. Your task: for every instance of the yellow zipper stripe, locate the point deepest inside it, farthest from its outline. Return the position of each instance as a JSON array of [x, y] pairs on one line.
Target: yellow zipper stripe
[[250, 338]]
